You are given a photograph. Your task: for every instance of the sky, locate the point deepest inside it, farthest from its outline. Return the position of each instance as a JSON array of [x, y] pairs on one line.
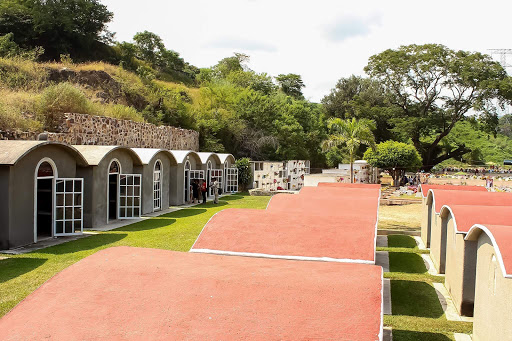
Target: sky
[[322, 40]]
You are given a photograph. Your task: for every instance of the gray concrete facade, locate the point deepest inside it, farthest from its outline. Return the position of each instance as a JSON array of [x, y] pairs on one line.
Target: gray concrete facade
[[184, 159], [18, 185]]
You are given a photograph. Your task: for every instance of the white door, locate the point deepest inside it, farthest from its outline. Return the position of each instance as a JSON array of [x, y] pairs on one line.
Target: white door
[[232, 180], [69, 196], [218, 175], [129, 196], [157, 187]]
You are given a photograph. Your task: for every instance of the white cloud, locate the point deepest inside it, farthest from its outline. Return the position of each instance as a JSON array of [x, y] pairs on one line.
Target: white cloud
[[320, 40]]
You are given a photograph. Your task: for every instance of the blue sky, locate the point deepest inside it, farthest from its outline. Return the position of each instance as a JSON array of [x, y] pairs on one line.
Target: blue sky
[[321, 40]]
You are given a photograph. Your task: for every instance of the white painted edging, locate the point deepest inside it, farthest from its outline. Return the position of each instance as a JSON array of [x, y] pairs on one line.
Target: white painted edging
[[470, 234], [264, 255]]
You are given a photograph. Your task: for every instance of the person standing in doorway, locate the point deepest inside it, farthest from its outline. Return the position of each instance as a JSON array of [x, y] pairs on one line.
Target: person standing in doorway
[[215, 186], [203, 190], [195, 191]]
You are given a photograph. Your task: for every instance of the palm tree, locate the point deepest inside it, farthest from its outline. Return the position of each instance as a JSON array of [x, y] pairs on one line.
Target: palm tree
[[352, 133]]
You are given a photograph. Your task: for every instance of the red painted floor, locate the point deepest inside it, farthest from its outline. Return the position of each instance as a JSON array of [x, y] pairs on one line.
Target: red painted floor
[[444, 197], [127, 293], [502, 236], [467, 216], [348, 236]]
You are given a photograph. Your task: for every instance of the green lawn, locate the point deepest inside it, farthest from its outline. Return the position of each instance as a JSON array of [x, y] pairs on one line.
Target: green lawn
[[417, 313], [21, 275]]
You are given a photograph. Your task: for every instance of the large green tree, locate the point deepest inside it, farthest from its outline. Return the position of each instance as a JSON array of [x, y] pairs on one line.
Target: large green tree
[[362, 98], [291, 84], [434, 88], [75, 27], [351, 133], [396, 157]]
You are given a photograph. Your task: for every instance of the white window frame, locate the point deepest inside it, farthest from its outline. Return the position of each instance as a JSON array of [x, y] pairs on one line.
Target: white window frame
[[65, 205], [55, 175], [108, 176], [157, 193], [232, 180], [132, 196], [219, 175]]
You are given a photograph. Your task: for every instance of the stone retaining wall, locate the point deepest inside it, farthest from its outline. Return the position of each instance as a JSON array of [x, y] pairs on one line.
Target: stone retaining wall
[[99, 130]]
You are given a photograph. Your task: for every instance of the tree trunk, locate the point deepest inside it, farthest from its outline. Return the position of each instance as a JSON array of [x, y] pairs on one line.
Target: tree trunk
[[351, 171]]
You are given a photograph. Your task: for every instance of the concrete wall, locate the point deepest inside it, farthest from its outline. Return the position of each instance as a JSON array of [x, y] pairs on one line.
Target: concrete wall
[[426, 217], [21, 190], [438, 241], [460, 270], [493, 296], [4, 206], [108, 131], [95, 200]]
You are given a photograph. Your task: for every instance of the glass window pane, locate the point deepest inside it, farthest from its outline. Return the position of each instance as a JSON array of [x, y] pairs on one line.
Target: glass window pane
[[136, 212], [59, 213], [69, 227], [130, 180], [60, 200], [78, 226], [129, 191], [69, 186], [129, 201], [129, 212], [59, 227], [78, 186], [45, 169], [78, 213], [136, 191], [60, 186], [69, 199], [123, 201], [123, 190], [136, 201], [122, 214], [78, 199], [137, 180], [69, 213], [114, 167]]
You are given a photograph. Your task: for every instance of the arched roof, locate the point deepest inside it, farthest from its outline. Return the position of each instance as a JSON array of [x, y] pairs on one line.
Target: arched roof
[[501, 238], [12, 151], [224, 157], [450, 197], [206, 155], [181, 155], [465, 216], [147, 154], [425, 188], [95, 154]]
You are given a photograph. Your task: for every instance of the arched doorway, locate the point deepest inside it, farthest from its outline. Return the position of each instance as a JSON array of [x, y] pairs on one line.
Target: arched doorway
[[187, 181], [114, 169], [157, 186], [44, 204]]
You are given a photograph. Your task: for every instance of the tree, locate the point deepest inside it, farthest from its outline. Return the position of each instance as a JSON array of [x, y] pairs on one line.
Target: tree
[[291, 84], [74, 27], [396, 157], [231, 64], [361, 97], [352, 133], [150, 48], [244, 172], [434, 88]]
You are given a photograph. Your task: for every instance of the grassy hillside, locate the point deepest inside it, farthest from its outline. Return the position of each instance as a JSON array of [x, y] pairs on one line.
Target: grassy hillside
[[32, 94]]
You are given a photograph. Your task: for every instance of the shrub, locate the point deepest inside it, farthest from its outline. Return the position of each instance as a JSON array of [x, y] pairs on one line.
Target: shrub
[[121, 112], [59, 99], [17, 111], [19, 73], [244, 172]]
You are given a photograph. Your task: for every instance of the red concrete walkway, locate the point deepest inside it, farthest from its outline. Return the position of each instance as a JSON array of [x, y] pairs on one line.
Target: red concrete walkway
[[145, 294], [291, 235]]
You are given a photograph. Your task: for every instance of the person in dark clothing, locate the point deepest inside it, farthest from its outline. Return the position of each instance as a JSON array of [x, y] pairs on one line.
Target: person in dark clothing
[[203, 190], [195, 191]]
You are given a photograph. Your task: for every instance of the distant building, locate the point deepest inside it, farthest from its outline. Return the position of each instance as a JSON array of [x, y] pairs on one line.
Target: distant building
[[279, 175]]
